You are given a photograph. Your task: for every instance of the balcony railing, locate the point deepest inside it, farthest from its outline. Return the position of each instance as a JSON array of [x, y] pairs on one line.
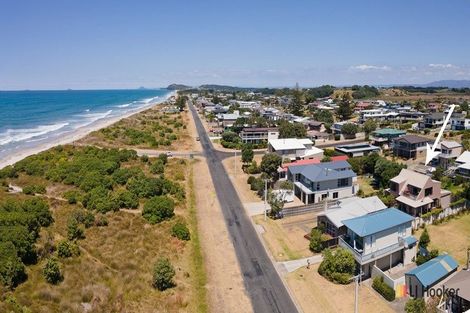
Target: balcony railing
[[365, 258]]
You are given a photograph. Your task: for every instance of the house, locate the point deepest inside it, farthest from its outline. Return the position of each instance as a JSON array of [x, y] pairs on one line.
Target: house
[[434, 106], [325, 181], [256, 135], [336, 127], [271, 114], [450, 151], [409, 115], [293, 148], [417, 193], [315, 126], [382, 238], [332, 219], [357, 149], [227, 120], [248, 105], [459, 122], [377, 114], [463, 164], [282, 170], [385, 136], [457, 302], [410, 146], [434, 120], [424, 277]]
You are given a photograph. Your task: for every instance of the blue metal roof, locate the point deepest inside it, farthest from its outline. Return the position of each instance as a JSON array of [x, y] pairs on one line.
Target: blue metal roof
[[377, 221], [324, 171], [410, 240], [434, 270]]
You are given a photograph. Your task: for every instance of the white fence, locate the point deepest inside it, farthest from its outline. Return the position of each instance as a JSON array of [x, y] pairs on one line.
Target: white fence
[[419, 221]]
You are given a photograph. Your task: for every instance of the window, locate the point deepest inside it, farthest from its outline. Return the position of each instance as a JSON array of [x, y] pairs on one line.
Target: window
[[343, 182], [428, 191], [335, 195], [394, 187], [318, 186], [323, 196]]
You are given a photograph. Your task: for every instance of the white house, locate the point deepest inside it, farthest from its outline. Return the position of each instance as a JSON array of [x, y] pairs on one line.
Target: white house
[[382, 238], [293, 148]]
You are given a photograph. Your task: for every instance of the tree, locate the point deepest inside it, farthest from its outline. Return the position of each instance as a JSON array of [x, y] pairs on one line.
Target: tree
[[158, 209], [349, 130], [337, 266], [51, 271], [163, 274], [438, 173], [316, 240], [66, 249], [324, 116], [269, 165], [74, 231], [297, 104], [12, 271], [415, 306], [369, 126], [247, 154], [157, 167], [424, 239], [180, 231], [276, 206], [345, 107], [291, 130]]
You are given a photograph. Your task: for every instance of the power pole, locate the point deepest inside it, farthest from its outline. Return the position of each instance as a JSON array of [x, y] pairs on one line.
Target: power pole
[[265, 198], [356, 291], [235, 163]]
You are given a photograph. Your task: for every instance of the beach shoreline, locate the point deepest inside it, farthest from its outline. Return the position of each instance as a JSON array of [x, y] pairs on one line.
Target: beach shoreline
[[77, 134]]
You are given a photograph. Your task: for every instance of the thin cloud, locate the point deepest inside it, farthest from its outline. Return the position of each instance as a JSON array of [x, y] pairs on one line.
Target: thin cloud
[[367, 67], [442, 66]]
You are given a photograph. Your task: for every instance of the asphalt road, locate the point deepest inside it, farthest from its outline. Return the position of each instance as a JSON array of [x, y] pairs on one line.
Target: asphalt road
[[264, 286]]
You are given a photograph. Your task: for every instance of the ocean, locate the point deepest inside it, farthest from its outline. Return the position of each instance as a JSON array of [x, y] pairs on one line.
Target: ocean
[[34, 118]]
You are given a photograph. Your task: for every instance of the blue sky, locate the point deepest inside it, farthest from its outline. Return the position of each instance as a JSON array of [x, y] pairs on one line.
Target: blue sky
[[118, 44]]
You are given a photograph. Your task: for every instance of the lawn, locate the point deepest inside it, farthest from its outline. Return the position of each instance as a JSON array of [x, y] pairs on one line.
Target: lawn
[[365, 184], [452, 237]]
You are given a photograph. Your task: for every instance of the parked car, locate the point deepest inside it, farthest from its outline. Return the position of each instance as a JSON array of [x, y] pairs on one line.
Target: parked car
[[169, 154], [198, 139]]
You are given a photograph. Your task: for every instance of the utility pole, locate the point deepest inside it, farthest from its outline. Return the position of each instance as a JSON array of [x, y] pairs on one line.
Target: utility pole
[[235, 163], [356, 291], [265, 198]]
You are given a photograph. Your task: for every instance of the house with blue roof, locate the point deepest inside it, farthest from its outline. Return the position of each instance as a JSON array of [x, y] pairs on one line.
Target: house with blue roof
[[382, 238], [314, 183], [427, 275]]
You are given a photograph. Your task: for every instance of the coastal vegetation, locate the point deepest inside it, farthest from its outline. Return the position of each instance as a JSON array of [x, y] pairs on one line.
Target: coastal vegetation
[[94, 233]]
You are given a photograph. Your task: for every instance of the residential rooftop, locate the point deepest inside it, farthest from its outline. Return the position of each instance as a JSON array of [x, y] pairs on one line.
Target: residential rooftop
[[412, 139], [434, 270], [389, 132], [324, 171], [376, 222], [289, 143]]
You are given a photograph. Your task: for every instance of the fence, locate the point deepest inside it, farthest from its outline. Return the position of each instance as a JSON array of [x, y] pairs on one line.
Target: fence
[[420, 221], [396, 284]]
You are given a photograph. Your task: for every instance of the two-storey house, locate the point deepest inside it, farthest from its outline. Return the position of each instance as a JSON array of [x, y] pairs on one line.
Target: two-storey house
[[417, 193], [325, 181], [434, 120], [410, 146], [383, 238], [294, 149], [256, 135], [449, 152], [459, 122]]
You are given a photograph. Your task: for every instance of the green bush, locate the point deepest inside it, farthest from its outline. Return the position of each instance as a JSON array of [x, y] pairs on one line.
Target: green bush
[[180, 231], [12, 270], [101, 220], [72, 196], [34, 189], [337, 266], [316, 240], [163, 274], [67, 249], [83, 217], [51, 272], [385, 290], [158, 209], [74, 231], [157, 167], [415, 306]]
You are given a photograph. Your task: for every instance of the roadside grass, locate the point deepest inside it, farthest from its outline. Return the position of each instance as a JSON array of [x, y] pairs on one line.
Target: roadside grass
[[452, 237]]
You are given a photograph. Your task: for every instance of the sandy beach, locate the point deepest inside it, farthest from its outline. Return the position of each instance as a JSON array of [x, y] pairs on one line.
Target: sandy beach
[[75, 135]]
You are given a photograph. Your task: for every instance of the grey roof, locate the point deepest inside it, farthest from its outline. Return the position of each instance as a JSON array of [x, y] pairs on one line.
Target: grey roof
[[324, 171], [436, 116], [413, 139]]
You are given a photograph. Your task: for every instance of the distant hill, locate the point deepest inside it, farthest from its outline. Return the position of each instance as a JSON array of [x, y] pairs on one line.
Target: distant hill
[[178, 87], [448, 84]]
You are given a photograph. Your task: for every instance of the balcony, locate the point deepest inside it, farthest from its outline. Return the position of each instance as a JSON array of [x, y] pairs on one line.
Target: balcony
[[362, 258]]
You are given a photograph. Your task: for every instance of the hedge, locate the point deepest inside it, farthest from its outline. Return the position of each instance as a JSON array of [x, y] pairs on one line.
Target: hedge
[[385, 290]]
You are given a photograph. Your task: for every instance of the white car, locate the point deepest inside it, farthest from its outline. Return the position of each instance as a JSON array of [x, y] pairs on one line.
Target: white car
[[169, 154]]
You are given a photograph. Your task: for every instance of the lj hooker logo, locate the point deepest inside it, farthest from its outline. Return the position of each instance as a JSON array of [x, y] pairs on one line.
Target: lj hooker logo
[[434, 292]]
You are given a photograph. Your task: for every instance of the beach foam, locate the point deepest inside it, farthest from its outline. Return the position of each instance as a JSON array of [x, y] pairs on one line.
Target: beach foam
[[15, 135]]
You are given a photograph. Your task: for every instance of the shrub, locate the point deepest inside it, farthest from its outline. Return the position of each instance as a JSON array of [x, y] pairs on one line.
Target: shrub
[[83, 217], [158, 167], [101, 220], [253, 168], [74, 231], [385, 290], [163, 274], [180, 231], [34, 189], [288, 185], [424, 239], [144, 158], [250, 180], [12, 270], [316, 240], [415, 306], [67, 249], [337, 266], [51, 272], [72, 196], [158, 209]]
